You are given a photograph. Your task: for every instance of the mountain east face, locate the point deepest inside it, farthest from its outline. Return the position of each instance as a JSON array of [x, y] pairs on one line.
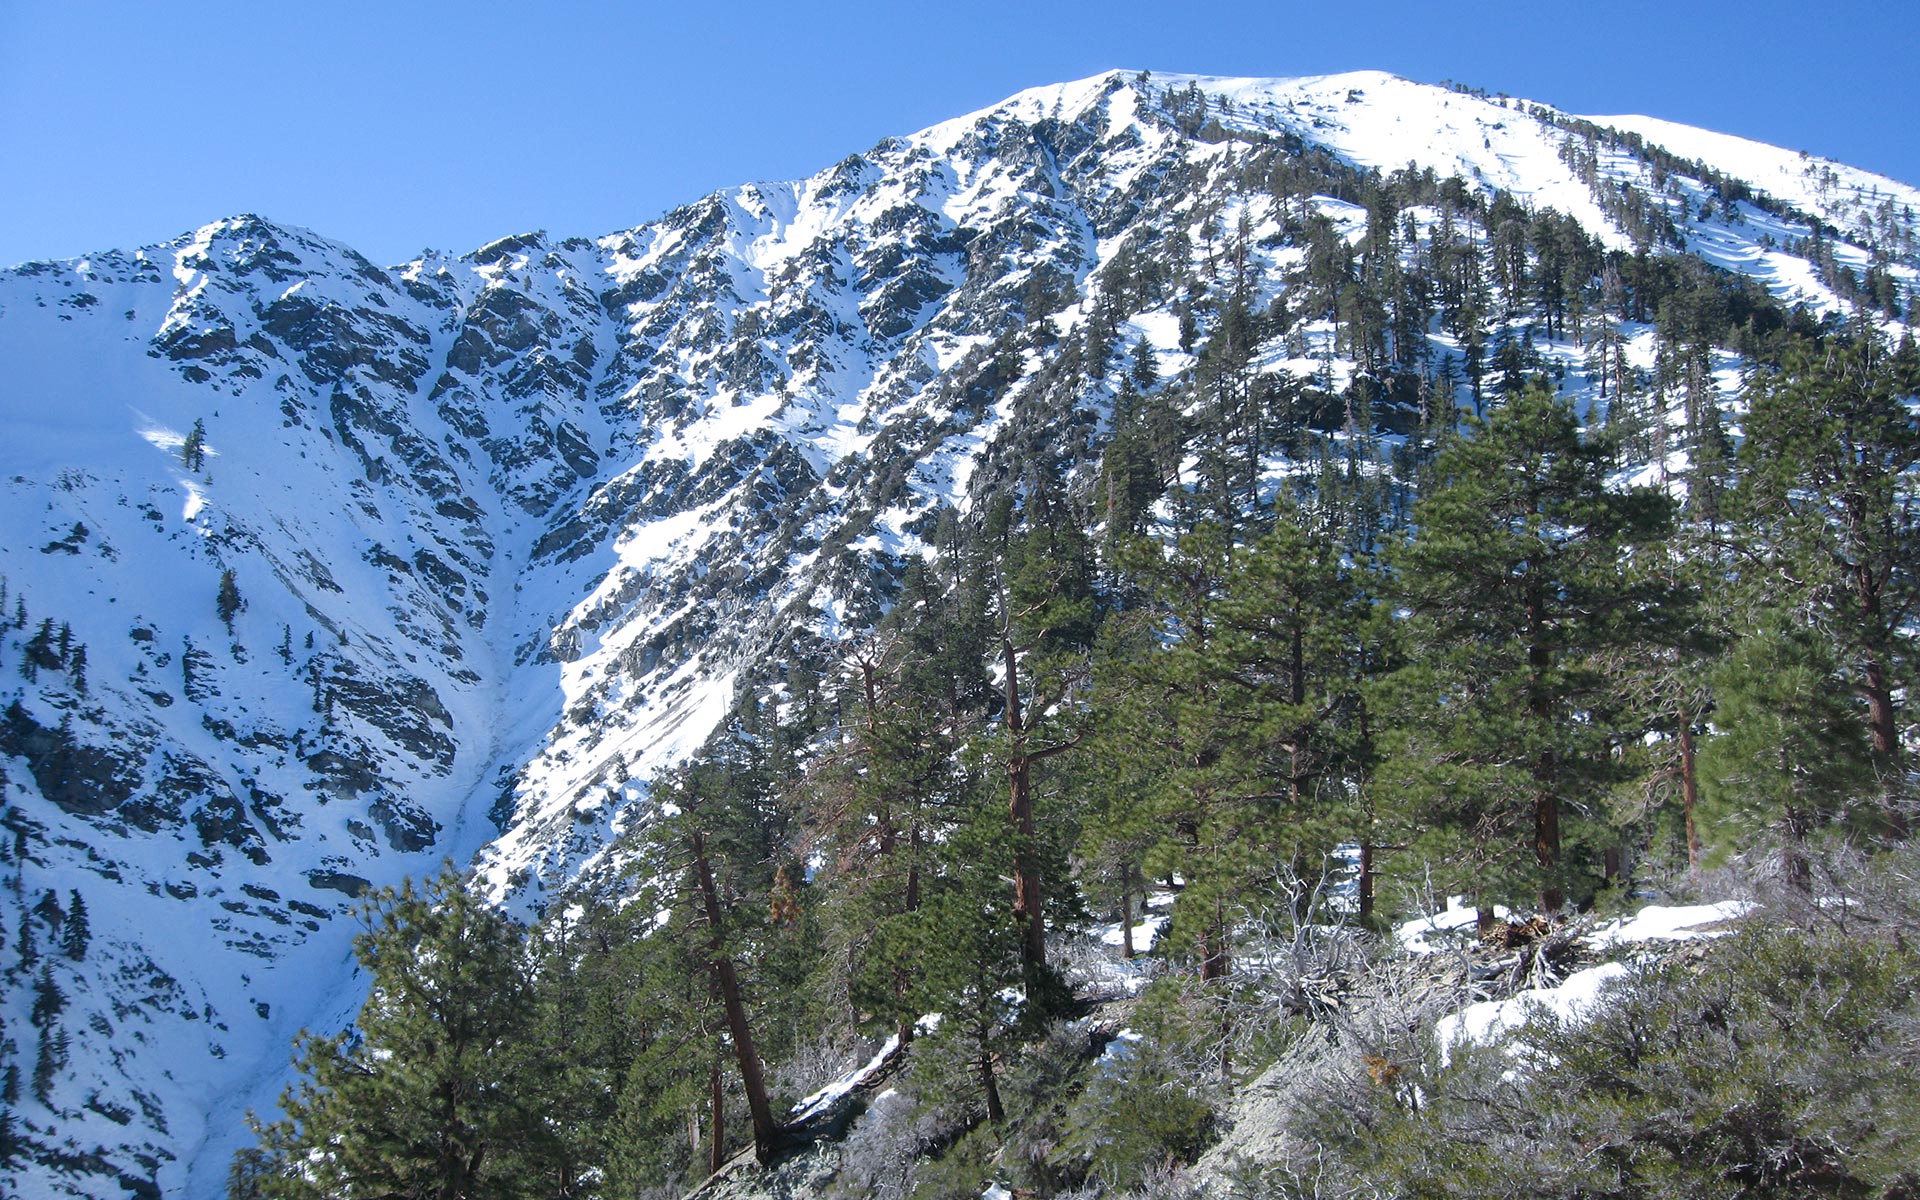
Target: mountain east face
[[317, 573]]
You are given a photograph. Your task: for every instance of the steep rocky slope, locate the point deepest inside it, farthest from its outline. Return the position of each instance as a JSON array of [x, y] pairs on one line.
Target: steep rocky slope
[[500, 536]]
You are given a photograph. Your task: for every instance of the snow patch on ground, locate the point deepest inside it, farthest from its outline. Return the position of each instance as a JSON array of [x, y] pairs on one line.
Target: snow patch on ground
[[1660, 923], [1480, 1024], [1442, 930], [1582, 992]]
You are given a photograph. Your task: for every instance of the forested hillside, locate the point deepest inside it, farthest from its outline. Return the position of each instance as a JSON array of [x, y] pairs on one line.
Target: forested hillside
[[1236, 515]]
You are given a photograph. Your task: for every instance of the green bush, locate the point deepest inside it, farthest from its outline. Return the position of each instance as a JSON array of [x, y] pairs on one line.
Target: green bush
[[1778, 1063], [1152, 1104]]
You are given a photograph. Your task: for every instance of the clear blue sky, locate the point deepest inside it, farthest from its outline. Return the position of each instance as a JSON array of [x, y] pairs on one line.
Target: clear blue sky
[[393, 125]]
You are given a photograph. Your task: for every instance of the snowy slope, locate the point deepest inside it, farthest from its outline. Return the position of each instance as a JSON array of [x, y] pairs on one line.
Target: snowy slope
[[513, 530]]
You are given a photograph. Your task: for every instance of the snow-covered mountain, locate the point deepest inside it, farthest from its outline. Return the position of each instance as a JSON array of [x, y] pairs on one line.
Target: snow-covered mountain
[[317, 572]]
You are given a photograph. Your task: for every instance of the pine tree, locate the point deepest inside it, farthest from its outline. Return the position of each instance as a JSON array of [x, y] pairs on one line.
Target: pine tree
[[876, 807], [193, 451], [653, 991], [1046, 616], [1119, 769], [427, 1094], [721, 851], [1789, 757], [75, 934], [49, 1062], [10, 1140], [1519, 574], [1261, 738], [971, 950], [228, 602], [48, 1000], [1831, 512], [41, 652]]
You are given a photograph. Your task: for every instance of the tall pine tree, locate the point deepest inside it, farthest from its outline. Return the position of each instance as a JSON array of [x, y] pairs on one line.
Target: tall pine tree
[[1829, 497], [1519, 574], [429, 1093]]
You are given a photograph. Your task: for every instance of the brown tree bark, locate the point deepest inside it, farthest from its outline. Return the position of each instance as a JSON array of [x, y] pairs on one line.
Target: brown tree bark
[[1366, 880], [1689, 792], [1546, 805], [716, 1120], [995, 1112], [752, 1077], [1028, 901]]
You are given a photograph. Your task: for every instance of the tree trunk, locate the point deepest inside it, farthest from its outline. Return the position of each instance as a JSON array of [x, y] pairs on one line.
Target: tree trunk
[[752, 1078], [995, 1112], [1215, 960], [1366, 880], [1689, 793], [1799, 870], [716, 1120], [1027, 900], [1027, 903], [1126, 913], [903, 978], [1297, 757], [1882, 722], [1886, 738], [1546, 845], [1546, 806]]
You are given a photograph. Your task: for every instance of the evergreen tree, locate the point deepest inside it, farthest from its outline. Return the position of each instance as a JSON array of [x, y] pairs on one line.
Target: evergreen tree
[[75, 934], [1519, 574], [1789, 756], [228, 602], [41, 652], [971, 949], [193, 451], [1831, 512], [48, 1000], [1118, 770], [428, 1094], [877, 805], [1046, 616], [723, 848], [652, 988], [50, 1060], [1261, 737]]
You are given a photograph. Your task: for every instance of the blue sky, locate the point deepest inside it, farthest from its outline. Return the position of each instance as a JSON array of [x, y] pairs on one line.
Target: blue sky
[[400, 124]]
